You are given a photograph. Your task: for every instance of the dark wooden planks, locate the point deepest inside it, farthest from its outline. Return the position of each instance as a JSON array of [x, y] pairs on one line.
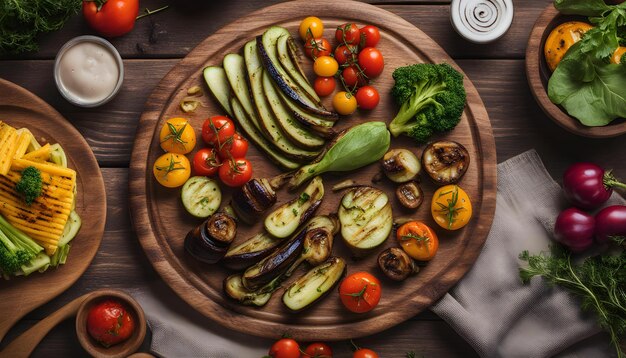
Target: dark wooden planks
[[174, 32]]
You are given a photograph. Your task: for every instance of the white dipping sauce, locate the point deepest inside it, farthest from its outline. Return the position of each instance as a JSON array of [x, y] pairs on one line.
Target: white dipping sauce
[[88, 71]]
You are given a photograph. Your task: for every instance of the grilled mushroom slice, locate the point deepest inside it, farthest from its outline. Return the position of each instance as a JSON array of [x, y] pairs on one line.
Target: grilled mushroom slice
[[445, 161], [401, 165], [410, 195], [209, 241], [396, 264]]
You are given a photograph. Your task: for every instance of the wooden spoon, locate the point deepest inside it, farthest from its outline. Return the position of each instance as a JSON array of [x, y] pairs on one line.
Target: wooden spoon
[[24, 345]]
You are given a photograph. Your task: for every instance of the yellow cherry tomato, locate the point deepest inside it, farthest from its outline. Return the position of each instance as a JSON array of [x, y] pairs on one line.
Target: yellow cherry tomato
[[177, 136], [325, 66], [618, 54], [311, 26], [344, 103], [418, 240], [561, 39], [451, 207], [171, 170]]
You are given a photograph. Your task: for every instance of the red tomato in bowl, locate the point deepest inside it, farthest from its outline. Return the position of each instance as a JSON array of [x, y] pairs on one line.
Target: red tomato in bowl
[[114, 18], [360, 292], [110, 323]]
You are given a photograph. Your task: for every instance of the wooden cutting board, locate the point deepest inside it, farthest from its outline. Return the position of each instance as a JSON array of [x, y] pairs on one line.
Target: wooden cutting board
[[161, 221], [20, 295]]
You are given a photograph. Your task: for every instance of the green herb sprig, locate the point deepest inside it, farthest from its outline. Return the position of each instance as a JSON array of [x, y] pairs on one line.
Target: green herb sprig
[[600, 283]]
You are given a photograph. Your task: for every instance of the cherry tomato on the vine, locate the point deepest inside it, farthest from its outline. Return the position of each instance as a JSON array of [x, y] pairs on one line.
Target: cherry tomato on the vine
[[360, 292], [371, 62], [285, 348], [352, 77], [344, 103], [325, 66], [235, 172], [314, 48], [317, 350], [235, 147], [346, 54], [369, 36], [324, 86], [206, 162], [311, 26], [216, 130], [364, 353], [348, 33], [367, 97]]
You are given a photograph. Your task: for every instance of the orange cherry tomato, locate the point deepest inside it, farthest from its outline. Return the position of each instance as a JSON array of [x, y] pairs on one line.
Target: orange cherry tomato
[[311, 26], [325, 66], [344, 103], [360, 292], [177, 136], [451, 207], [418, 240]]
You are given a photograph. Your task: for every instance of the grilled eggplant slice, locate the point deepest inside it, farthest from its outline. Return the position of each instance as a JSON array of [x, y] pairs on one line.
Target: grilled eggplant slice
[[292, 128], [215, 78], [294, 54], [253, 134], [396, 264], [300, 92], [286, 219], [366, 219], [410, 195], [274, 265], [235, 289], [251, 251], [252, 199], [318, 241], [401, 165], [209, 241], [445, 161], [282, 52], [267, 121], [321, 126], [309, 288]]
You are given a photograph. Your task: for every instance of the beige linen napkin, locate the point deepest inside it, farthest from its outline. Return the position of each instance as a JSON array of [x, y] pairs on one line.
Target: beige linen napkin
[[491, 308]]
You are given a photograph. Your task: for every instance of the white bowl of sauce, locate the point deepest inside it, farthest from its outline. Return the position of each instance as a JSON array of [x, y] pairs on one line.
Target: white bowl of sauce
[[88, 71]]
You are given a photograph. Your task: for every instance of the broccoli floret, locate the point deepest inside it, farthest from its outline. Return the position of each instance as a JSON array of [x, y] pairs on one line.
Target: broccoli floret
[[17, 250], [431, 99], [30, 184]]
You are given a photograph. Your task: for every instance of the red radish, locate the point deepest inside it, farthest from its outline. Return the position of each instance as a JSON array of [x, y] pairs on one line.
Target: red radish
[[587, 185], [574, 228], [611, 222]]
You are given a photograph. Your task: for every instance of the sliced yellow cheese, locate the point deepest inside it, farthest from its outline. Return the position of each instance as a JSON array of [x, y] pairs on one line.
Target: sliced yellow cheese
[[8, 139], [40, 155], [23, 141]]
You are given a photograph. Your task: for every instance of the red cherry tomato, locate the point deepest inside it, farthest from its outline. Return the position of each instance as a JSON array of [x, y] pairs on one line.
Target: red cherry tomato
[[360, 292], [370, 36], [235, 172], [206, 162], [216, 130], [371, 62], [346, 54], [324, 86], [317, 350], [234, 148], [367, 97], [110, 323], [314, 48], [114, 18], [364, 353], [285, 348], [348, 34], [352, 77]]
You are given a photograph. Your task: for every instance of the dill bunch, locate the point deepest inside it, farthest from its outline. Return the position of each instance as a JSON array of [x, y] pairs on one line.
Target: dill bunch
[[600, 283], [21, 21]]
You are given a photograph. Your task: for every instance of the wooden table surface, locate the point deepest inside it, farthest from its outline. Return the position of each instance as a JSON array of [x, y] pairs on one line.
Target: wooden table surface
[[158, 42]]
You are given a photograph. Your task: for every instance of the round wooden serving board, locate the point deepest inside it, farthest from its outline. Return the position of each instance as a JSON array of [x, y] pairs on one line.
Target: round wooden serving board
[[538, 74], [161, 221], [20, 295]]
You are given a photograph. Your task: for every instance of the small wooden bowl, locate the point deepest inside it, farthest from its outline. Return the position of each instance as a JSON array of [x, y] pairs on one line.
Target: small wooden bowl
[[538, 74], [123, 349]]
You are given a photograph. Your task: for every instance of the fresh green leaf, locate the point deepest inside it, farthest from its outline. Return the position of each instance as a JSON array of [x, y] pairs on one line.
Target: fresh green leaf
[[581, 7]]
